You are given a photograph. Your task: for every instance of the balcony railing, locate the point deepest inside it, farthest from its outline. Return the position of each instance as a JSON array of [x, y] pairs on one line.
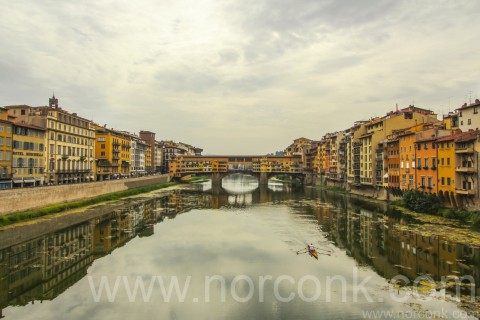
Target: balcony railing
[[465, 169], [465, 191], [73, 171], [464, 150]]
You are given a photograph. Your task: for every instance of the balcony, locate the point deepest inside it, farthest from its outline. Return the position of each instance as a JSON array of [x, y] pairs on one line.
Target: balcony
[[82, 158], [469, 192], [116, 144], [465, 169], [464, 150], [65, 156]]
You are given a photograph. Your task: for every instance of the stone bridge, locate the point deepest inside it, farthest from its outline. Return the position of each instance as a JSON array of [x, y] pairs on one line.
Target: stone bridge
[[218, 167]]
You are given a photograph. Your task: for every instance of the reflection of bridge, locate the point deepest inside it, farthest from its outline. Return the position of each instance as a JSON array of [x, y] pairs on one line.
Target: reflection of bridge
[[219, 167]]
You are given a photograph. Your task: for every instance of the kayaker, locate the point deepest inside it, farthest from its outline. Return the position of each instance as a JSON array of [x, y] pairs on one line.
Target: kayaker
[[311, 247]]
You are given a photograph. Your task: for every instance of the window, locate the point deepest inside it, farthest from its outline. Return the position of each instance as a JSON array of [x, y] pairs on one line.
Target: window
[[442, 162], [434, 162], [419, 146], [419, 162], [1, 141], [411, 180], [102, 146], [469, 121], [426, 162], [8, 155], [448, 181], [448, 161], [1, 155], [422, 182], [475, 110], [102, 154], [443, 181], [429, 182], [426, 146], [1, 128]]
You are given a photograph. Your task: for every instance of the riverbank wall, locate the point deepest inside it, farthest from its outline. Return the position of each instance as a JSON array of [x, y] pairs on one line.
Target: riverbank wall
[[14, 200], [382, 194]]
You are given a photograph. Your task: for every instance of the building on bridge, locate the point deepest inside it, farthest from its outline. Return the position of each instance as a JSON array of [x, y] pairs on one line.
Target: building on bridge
[[170, 150], [220, 166]]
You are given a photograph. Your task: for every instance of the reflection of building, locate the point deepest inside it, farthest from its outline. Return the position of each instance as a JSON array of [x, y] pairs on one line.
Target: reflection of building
[[42, 267], [111, 231]]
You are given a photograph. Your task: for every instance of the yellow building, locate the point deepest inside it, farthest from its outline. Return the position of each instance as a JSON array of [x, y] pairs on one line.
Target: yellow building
[[446, 169], [6, 129], [28, 155], [148, 159], [69, 141], [112, 153]]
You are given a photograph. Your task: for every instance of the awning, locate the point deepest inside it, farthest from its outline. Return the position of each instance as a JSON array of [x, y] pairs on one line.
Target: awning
[[29, 180], [17, 180], [385, 176]]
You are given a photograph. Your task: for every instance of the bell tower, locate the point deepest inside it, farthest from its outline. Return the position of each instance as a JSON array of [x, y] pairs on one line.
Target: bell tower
[[53, 102]]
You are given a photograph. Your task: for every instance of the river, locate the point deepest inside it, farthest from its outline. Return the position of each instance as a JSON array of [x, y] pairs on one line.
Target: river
[[237, 252]]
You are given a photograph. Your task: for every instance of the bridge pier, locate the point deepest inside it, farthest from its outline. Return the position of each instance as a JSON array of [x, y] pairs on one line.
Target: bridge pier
[[217, 179], [263, 179], [310, 179]]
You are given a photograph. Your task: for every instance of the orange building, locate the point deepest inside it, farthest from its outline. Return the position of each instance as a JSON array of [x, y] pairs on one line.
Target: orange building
[[406, 145], [426, 168]]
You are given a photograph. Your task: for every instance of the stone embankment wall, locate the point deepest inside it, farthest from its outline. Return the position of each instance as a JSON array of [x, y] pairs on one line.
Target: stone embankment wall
[[14, 200]]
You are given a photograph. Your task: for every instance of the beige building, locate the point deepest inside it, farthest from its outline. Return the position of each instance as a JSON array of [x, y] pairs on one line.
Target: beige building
[[374, 134], [468, 117], [69, 141]]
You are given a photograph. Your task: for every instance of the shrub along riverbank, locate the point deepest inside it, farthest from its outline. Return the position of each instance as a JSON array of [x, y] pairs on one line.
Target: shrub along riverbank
[[57, 208], [421, 202]]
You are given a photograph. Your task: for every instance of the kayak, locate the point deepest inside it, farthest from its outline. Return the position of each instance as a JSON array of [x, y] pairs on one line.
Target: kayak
[[313, 253]]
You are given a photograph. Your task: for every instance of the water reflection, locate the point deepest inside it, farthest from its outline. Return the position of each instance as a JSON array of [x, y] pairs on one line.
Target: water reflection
[[239, 183], [54, 255]]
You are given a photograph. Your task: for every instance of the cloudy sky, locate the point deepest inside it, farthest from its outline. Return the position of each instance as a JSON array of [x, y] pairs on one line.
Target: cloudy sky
[[239, 76]]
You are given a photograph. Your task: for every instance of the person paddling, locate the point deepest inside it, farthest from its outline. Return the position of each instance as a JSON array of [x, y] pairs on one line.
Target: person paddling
[[311, 247]]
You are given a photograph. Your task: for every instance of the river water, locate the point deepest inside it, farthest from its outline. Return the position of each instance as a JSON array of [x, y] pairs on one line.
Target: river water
[[236, 252]]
